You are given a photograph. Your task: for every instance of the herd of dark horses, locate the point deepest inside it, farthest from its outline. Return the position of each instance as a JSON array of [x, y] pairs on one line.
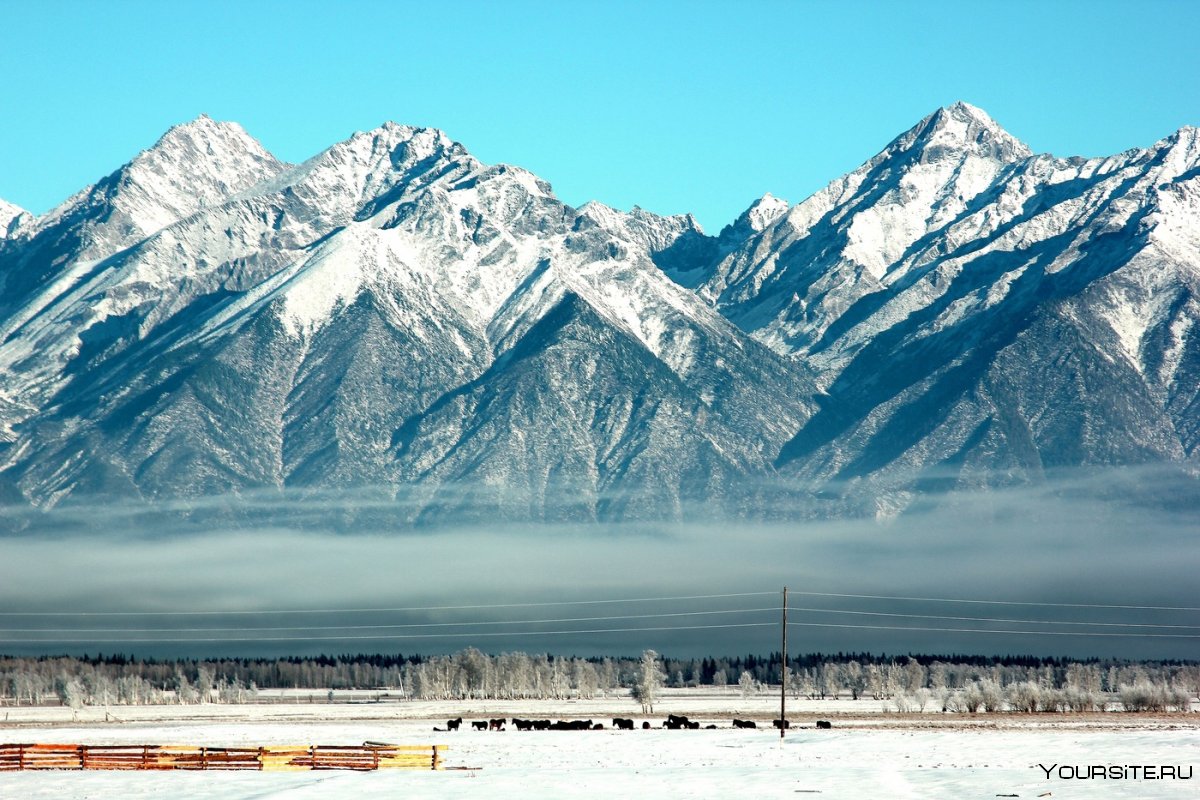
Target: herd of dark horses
[[673, 722]]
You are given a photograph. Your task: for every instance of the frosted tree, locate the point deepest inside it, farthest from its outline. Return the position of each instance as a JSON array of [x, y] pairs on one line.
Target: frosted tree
[[791, 683], [807, 684], [204, 684], [854, 679], [185, 693], [542, 680], [70, 692], [560, 683], [607, 675], [831, 676], [914, 675], [649, 681], [99, 687], [476, 670], [747, 684], [938, 676], [585, 677], [876, 681], [523, 679]]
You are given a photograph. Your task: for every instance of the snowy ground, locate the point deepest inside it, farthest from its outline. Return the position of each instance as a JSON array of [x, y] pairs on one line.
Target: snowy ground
[[868, 754]]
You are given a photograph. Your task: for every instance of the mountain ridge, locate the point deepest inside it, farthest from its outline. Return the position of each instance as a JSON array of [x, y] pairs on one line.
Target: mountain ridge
[[394, 313]]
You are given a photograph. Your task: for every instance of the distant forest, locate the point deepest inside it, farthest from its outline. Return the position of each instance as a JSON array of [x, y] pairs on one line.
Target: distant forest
[[907, 683]]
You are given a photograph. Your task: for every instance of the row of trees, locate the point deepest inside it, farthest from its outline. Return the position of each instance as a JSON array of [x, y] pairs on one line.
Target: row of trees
[[910, 683], [1030, 697], [91, 687]]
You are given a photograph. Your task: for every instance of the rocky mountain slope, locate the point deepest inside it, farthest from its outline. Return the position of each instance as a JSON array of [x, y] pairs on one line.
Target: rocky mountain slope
[[391, 313], [975, 313], [394, 314]]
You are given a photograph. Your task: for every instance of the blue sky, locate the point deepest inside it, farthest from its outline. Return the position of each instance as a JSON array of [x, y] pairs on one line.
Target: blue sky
[[675, 106]]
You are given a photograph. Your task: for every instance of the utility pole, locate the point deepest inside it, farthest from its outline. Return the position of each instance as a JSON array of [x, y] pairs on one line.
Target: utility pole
[[783, 673]]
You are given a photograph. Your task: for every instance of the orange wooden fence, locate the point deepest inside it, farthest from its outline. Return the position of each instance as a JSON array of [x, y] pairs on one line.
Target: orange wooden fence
[[166, 757]]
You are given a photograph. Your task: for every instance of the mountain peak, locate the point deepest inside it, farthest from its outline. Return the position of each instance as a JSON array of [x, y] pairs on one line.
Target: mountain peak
[[963, 128], [369, 164], [193, 164], [761, 214], [10, 216], [1187, 137], [393, 134], [204, 136], [961, 109], [764, 211], [391, 146]]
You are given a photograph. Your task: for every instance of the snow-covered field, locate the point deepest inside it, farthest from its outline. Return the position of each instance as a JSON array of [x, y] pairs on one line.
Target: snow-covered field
[[867, 754]]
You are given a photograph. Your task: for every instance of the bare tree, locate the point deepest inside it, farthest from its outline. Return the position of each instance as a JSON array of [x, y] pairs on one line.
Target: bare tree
[[748, 685], [649, 681]]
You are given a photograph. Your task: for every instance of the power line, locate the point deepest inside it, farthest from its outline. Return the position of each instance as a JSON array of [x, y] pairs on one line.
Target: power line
[[995, 619], [984, 630], [660, 628], [388, 627], [394, 636], [997, 602], [441, 633], [264, 612], [559, 603], [559, 620]]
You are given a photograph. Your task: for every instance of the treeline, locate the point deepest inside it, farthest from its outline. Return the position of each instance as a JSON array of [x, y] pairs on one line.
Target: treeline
[[910, 683]]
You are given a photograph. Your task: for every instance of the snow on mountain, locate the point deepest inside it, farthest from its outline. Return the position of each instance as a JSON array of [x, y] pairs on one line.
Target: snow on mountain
[[972, 309], [11, 217], [216, 252], [395, 314], [371, 317], [754, 220], [192, 167], [846, 241]]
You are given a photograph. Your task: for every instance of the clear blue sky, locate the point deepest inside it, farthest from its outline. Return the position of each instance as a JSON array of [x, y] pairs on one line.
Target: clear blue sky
[[675, 106]]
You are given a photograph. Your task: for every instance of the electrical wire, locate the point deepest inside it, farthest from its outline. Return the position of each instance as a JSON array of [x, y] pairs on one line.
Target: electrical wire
[[545, 604], [983, 630], [389, 637], [388, 627], [478, 634], [264, 612], [995, 619], [994, 602], [559, 620], [562, 620]]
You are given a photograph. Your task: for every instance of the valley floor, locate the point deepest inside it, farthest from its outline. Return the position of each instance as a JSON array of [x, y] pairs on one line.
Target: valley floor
[[867, 753]]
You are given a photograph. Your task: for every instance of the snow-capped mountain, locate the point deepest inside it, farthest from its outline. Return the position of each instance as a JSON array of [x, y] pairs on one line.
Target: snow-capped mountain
[[394, 314], [390, 313], [974, 312], [11, 216], [191, 167]]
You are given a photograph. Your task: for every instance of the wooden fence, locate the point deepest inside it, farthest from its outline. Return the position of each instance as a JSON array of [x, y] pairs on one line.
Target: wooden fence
[[167, 757]]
